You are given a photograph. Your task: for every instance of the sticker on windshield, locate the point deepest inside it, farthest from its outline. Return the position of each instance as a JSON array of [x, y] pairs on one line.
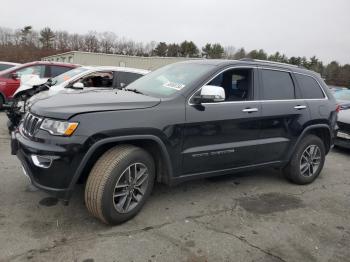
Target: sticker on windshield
[[65, 77], [173, 85]]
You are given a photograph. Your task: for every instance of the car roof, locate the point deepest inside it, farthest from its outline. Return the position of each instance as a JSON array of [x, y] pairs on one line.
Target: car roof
[[19, 66], [9, 63], [51, 63], [117, 68], [252, 62]]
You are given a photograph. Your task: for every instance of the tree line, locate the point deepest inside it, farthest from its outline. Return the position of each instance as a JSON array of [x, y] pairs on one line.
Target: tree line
[[26, 44]]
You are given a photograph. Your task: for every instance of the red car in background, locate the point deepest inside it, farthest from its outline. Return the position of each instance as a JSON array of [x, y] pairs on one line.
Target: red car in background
[[10, 78]]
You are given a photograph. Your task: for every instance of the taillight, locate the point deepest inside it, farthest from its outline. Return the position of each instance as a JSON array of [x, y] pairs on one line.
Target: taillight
[[337, 108]]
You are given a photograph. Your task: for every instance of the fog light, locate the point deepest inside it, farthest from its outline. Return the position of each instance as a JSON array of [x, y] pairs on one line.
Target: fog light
[[43, 161]]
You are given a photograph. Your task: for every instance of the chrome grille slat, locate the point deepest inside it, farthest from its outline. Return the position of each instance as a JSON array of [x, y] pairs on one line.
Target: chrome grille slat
[[31, 124]]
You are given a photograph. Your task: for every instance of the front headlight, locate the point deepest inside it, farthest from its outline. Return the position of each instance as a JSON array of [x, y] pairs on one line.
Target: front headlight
[[58, 128]]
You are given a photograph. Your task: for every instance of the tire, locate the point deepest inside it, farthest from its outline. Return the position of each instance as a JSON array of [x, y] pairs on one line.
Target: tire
[[112, 169], [2, 101], [298, 170]]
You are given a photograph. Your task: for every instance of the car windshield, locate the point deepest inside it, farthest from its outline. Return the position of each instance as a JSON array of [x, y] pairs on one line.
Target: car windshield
[[342, 95], [170, 79], [67, 75]]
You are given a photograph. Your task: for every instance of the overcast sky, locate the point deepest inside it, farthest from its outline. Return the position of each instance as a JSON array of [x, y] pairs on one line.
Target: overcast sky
[[294, 27]]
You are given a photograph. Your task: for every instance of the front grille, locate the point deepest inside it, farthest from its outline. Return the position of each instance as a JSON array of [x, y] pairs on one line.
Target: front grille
[[344, 127], [31, 124]]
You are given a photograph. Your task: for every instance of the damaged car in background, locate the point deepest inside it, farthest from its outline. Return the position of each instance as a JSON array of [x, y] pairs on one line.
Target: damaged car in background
[[10, 79], [76, 80]]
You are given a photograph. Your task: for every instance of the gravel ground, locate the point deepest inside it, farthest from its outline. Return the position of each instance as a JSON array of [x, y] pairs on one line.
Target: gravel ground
[[253, 216]]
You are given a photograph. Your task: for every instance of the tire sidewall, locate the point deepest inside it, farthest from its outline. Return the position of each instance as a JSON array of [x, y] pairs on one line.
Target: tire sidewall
[[109, 212], [2, 101], [296, 175]]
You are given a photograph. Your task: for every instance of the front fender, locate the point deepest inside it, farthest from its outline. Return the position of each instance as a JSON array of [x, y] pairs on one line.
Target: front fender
[[109, 140]]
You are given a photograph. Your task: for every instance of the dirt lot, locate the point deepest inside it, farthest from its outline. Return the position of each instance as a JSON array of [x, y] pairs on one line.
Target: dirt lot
[[255, 216]]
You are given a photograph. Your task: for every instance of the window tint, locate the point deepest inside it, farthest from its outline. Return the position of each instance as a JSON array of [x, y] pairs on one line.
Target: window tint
[[237, 84], [277, 85], [125, 78], [58, 70], [309, 87], [5, 66]]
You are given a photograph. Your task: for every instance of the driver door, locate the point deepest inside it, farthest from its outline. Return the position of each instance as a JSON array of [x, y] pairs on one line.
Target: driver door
[[221, 136]]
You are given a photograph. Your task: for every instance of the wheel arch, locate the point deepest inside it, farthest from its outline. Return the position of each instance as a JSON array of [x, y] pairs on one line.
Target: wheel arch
[[3, 97], [152, 144], [321, 130]]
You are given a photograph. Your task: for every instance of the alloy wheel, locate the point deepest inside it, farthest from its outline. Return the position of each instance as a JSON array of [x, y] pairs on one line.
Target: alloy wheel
[[130, 187], [310, 160]]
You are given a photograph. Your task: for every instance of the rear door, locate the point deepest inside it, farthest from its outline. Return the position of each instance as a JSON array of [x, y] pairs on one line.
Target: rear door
[[314, 95], [283, 114]]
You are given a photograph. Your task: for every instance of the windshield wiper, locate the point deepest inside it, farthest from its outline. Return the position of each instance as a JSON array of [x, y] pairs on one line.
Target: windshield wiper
[[133, 90]]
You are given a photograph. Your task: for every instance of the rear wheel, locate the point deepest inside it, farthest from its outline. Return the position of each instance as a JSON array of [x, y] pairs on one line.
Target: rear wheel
[[119, 184], [307, 161]]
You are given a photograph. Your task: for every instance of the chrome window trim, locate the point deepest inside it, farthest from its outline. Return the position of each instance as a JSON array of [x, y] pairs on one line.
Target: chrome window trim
[[257, 101]]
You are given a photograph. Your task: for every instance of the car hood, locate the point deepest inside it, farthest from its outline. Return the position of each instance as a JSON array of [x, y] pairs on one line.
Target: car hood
[[344, 116], [65, 105]]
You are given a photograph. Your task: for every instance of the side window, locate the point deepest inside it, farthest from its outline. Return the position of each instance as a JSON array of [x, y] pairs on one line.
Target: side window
[[32, 70], [125, 78], [4, 66], [97, 79], [58, 70], [237, 83], [277, 85], [309, 87]]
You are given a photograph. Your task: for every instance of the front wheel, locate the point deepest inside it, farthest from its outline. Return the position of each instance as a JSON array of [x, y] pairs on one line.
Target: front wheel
[[119, 184], [2, 101], [307, 161]]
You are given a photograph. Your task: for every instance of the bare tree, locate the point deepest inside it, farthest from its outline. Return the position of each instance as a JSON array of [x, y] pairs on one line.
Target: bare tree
[[107, 41], [62, 41], [229, 52], [91, 42]]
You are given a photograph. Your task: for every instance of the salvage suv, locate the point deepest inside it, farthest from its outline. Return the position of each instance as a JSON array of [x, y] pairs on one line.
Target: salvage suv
[[184, 121]]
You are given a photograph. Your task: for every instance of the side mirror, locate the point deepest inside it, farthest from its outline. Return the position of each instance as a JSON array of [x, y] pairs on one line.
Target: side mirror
[[210, 94], [14, 76], [78, 85], [122, 85]]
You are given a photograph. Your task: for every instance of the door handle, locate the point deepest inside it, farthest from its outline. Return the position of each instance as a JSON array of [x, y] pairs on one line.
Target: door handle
[[250, 110], [299, 107]]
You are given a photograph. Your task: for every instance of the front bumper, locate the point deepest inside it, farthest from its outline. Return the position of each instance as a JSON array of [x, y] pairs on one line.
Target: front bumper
[[54, 177]]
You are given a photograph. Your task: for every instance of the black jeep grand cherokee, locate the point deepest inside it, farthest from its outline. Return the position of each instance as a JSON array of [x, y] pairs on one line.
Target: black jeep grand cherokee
[[186, 120]]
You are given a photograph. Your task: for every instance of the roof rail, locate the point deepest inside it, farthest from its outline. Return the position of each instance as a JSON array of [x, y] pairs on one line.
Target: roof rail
[[266, 61]]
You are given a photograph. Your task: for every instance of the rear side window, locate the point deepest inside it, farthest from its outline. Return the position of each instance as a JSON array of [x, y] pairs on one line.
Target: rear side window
[[277, 85], [5, 66], [58, 70], [309, 87], [125, 78]]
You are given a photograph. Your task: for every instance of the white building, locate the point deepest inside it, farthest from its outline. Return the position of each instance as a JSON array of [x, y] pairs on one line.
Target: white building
[[101, 59]]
